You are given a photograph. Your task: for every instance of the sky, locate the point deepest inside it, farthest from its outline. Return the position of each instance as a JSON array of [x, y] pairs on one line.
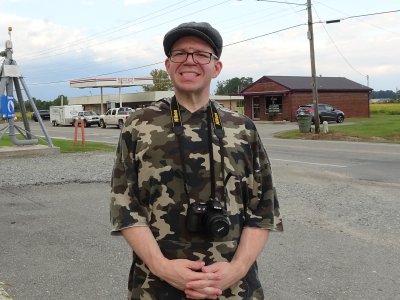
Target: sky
[[58, 41]]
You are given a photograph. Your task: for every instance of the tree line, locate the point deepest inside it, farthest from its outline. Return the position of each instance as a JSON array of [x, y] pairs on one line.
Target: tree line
[[388, 94], [41, 104], [162, 82]]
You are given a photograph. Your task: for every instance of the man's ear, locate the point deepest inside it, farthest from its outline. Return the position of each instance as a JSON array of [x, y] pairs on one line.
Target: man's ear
[[217, 69], [167, 63]]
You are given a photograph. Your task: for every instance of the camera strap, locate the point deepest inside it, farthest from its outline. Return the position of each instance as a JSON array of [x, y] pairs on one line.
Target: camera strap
[[213, 122]]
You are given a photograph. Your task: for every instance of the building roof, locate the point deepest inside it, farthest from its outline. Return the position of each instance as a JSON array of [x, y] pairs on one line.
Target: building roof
[[304, 83]]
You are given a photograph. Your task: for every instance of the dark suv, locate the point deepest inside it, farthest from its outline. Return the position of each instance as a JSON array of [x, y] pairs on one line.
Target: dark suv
[[44, 114], [325, 111]]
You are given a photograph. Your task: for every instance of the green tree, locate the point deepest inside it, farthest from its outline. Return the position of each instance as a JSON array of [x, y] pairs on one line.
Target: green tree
[[233, 85], [40, 104], [161, 81], [57, 101], [388, 94]]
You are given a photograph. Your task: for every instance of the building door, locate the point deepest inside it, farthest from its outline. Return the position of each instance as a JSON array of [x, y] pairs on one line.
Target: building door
[[256, 108]]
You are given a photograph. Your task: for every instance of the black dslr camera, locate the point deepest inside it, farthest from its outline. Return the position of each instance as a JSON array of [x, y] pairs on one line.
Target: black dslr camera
[[209, 217]]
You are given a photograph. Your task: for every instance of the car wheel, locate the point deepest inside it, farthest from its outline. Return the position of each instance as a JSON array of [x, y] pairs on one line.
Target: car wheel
[[102, 124], [86, 123], [98, 124], [339, 119], [120, 124], [54, 123]]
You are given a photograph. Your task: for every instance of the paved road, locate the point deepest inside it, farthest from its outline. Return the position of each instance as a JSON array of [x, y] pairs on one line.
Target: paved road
[[367, 161], [375, 162]]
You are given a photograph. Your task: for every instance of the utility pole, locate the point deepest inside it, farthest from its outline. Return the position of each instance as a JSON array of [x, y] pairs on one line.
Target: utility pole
[[369, 98], [313, 72]]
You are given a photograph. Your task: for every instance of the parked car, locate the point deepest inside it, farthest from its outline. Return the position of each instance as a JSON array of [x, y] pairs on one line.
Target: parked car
[[325, 112], [44, 114], [89, 118], [115, 116]]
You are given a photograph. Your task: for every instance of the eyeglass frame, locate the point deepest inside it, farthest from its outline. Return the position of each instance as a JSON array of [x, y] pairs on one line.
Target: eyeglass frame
[[212, 55]]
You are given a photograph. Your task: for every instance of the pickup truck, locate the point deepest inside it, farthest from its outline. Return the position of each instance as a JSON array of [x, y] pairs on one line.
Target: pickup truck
[[115, 117]]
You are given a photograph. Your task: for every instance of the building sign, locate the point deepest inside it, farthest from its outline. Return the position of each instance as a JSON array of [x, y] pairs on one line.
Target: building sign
[[273, 108], [7, 107]]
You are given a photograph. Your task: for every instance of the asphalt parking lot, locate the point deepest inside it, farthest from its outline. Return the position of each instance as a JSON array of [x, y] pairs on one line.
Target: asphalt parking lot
[[341, 238]]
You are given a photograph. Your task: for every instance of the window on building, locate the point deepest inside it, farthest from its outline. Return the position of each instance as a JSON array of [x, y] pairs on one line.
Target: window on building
[[256, 107], [273, 104], [240, 106]]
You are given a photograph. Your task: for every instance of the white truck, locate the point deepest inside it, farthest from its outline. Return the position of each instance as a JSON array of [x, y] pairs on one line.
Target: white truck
[[64, 115], [115, 117]]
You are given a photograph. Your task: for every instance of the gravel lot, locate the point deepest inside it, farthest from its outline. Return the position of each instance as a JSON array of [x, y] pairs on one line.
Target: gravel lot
[[52, 169], [341, 238]]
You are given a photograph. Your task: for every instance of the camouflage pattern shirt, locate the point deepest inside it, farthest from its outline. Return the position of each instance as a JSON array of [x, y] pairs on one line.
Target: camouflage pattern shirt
[[148, 190]]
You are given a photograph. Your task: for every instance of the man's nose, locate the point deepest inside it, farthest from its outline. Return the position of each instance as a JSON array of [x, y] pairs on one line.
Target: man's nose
[[192, 58]]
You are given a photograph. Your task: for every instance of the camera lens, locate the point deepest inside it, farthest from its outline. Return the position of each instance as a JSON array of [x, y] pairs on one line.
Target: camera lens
[[217, 224]]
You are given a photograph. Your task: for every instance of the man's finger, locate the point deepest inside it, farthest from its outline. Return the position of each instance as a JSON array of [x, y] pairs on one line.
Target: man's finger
[[205, 293]]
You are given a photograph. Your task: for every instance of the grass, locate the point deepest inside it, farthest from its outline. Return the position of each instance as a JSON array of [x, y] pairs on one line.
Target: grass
[[67, 146], [385, 108], [383, 126], [380, 128]]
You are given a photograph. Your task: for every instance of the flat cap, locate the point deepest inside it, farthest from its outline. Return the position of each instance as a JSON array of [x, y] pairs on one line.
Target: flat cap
[[201, 30]]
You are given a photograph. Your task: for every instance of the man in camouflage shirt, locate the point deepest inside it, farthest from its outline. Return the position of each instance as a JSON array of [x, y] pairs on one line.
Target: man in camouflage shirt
[[161, 172]]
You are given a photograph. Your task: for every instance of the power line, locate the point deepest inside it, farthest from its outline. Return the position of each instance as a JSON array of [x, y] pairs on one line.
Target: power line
[[337, 48], [99, 75], [283, 2], [372, 14], [338, 20], [83, 47], [227, 45], [157, 63], [113, 29], [262, 35], [108, 62]]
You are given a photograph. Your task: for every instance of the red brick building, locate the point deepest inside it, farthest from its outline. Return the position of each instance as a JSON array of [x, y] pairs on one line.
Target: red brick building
[[278, 97]]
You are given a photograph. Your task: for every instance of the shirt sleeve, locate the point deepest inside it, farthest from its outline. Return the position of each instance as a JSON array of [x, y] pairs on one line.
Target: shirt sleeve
[[126, 210], [262, 205]]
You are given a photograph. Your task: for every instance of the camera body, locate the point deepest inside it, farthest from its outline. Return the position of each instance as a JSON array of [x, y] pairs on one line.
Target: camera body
[[209, 217]]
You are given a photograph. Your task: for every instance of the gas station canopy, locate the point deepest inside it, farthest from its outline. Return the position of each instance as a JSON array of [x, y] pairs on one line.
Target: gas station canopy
[[110, 82]]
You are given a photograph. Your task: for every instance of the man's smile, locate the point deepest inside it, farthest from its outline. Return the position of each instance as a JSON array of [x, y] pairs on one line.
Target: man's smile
[[189, 74]]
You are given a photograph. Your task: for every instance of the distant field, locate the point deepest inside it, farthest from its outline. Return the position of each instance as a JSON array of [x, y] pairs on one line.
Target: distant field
[[385, 108]]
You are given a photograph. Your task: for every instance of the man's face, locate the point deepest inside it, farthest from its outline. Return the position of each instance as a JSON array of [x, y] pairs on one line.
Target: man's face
[[190, 76]]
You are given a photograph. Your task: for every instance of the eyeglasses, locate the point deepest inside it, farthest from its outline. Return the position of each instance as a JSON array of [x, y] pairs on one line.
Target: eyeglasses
[[199, 57]]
